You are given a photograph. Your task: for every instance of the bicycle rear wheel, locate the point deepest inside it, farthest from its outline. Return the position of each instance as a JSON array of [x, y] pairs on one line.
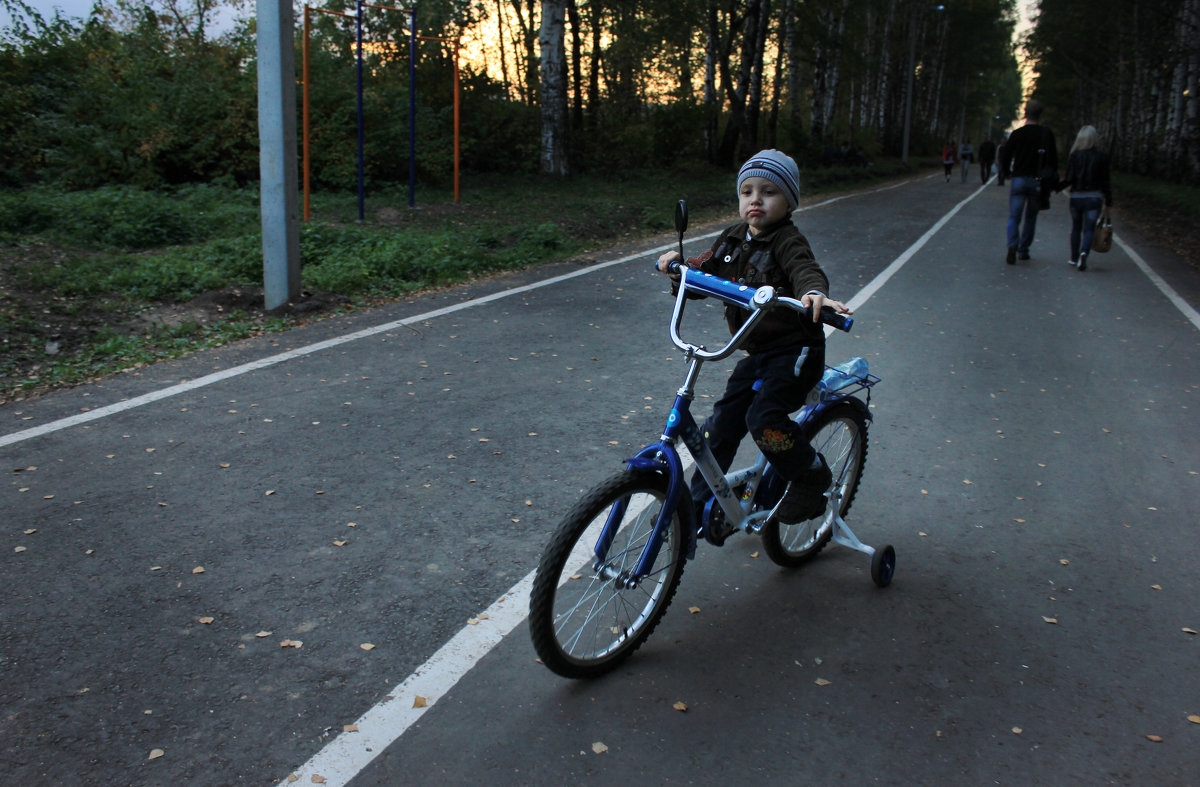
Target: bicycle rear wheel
[[585, 618], [840, 435]]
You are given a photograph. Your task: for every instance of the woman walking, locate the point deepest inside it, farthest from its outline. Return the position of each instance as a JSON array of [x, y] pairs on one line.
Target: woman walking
[[1091, 192], [949, 153]]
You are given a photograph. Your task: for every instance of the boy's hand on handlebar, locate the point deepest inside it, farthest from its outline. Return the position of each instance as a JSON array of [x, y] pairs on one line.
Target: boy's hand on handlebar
[[814, 301], [665, 260]]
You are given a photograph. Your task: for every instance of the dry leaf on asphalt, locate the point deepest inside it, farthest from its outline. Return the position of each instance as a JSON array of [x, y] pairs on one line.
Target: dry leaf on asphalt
[[1187, 630], [198, 570], [1017, 730], [1050, 620], [823, 682], [693, 610], [680, 706], [262, 634], [349, 728], [1155, 738], [1194, 719], [367, 646], [419, 702], [599, 748], [155, 754], [206, 620]]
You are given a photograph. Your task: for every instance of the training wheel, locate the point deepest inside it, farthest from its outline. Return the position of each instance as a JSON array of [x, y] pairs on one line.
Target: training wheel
[[883, 565]]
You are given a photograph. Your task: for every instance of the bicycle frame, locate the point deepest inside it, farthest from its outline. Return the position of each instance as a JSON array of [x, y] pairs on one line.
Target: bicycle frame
[[663, 455]]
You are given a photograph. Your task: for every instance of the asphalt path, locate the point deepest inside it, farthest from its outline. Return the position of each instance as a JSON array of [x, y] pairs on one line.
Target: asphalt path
[[302, 557]]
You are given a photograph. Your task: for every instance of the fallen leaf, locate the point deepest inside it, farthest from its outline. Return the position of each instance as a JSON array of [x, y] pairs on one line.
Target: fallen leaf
[[419, 702], [262, 634], [318, 779], [155, 754], [968, 481], [922, 534], [1064, 562], [1187, 630], [823, 682], [1050, 620], [753, 554], [198, 570], [1194, 719], [693, 610], [680, 706], [349, 728], [18, 549], [206, 620], [1019, 521], [31, 531], [1155, 738], [367, 646], [270, 491], [1156, 587], [599, 748], [340, 543], [1017, 730]]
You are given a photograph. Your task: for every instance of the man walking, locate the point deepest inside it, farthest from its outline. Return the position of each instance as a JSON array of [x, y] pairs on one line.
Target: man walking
[[1029, 152], [987, 157]]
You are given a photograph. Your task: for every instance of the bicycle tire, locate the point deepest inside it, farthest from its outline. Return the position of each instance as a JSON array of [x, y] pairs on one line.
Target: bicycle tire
[[840, 435], [583, 624]]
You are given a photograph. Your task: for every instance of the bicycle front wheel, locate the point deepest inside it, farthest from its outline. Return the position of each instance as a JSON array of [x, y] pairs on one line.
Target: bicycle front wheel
[[840, 435], [588, 613]]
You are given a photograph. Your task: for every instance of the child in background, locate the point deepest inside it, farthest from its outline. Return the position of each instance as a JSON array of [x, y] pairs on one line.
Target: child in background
[[786, 351]]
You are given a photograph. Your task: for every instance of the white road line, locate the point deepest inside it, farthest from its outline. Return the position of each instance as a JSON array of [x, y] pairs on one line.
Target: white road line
[[1191, 314], [349, 753]]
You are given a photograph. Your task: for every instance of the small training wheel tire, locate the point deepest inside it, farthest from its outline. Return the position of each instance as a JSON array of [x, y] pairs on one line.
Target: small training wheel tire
[[883, 566]]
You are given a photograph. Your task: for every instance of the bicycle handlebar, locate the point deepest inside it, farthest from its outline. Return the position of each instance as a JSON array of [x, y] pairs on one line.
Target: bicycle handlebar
[[750, 298]]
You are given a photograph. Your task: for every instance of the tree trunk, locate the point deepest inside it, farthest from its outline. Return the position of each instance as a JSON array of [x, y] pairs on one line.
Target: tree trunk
[[553, 77]]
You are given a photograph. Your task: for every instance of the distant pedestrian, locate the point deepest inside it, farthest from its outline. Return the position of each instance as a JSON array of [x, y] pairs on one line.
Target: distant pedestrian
[[949, 151], [965, 155], [1030, 156], [987, 157], [1091, 192]]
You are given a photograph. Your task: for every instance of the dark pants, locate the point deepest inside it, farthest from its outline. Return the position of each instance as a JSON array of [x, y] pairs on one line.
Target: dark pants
[[1084, 213], [764, 413], [985, 169]]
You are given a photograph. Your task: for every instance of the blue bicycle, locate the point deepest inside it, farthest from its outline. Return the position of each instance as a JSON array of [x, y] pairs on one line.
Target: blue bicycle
[[612, 566]]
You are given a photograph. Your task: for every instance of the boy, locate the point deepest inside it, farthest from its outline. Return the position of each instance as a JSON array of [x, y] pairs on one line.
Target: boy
[[786, 351]]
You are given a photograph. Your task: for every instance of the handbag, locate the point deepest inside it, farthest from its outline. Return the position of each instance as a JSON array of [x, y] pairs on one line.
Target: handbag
[[1102, 237]]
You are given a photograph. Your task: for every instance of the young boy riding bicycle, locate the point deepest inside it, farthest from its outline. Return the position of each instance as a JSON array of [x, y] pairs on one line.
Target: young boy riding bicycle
[[786, 352]]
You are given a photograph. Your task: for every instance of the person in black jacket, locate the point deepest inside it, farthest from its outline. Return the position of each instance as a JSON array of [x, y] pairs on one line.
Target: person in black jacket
[[786, 352], [1029, 157], [987, 157], [1088, 179]]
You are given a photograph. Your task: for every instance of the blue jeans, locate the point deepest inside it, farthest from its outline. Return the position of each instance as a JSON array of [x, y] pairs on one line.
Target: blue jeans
[[1022, 198], [1084, 213]]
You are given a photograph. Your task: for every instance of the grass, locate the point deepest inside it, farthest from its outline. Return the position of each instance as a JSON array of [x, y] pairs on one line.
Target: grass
[[84, 274]]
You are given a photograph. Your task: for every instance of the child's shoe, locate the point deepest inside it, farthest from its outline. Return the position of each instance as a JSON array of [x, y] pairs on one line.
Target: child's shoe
[[805, 497]]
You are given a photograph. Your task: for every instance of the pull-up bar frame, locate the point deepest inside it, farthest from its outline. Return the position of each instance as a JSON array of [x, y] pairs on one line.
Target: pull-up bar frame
[[412, 100]]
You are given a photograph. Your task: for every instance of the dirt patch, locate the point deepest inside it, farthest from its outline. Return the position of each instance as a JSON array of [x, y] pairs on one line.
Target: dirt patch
[[246, 302]]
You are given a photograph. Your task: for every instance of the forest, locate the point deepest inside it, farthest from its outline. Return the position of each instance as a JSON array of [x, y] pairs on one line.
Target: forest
[[148, 93]]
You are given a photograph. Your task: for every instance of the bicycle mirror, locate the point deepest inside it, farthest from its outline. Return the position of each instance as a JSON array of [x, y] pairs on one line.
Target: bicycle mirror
[[681, 223]]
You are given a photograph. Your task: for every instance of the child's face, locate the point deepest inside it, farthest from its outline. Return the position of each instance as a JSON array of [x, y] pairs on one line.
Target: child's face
[[761, 203]]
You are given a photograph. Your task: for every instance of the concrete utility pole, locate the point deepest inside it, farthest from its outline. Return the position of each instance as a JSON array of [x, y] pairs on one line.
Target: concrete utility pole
[[277, 152]]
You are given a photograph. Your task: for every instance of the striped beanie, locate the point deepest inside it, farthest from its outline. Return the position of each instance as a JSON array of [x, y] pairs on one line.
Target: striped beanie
[[777, 167]]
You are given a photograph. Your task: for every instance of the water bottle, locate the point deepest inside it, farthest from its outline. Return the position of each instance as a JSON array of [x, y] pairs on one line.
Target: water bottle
[[841, 376]]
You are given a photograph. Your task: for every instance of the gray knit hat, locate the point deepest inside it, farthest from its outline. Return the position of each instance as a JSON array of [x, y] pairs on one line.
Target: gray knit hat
[[777, 167]]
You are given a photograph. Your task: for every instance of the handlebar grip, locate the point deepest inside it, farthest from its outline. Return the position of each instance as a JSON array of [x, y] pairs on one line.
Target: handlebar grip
[[839, 321]]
